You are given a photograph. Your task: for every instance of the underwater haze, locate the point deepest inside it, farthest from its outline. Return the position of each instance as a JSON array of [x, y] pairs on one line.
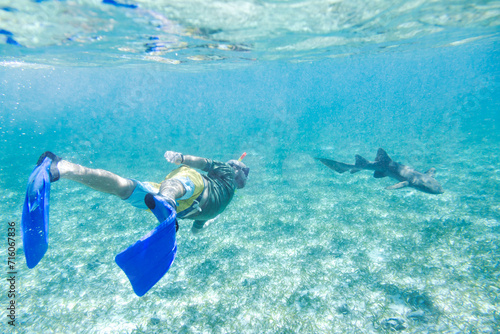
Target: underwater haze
[[301, 249]]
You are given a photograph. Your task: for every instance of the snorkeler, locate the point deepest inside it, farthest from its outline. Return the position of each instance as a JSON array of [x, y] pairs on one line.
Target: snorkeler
[[185, 193]]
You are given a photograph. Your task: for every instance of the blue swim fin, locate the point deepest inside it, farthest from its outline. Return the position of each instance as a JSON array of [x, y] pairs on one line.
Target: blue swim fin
[[35, 218], [146, 261]]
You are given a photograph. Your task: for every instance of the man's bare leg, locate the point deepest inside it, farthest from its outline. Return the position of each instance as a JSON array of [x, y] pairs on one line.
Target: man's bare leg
[[172, 189], [98, 179]]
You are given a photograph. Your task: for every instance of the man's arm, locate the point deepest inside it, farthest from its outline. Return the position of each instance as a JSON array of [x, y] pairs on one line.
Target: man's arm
[[198, 226], [189, 160], [196, 162]]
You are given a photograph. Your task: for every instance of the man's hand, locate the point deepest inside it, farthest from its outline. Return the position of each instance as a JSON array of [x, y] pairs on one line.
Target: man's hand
[[174, 157]]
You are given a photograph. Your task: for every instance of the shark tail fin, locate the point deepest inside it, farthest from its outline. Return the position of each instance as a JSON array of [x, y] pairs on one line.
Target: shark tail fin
[[382, 157], [339, 167], [361, 162]]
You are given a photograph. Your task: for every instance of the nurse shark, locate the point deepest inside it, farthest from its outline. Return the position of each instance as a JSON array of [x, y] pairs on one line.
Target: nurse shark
[[385, 166]]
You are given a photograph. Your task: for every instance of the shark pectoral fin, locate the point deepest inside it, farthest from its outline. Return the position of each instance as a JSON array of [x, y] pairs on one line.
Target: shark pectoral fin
[[354, 170], [431, 172], [379, 175], [399, 185]]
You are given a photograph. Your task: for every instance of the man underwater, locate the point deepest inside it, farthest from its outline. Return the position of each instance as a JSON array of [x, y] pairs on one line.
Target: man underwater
[[185, 193], [195, 196]]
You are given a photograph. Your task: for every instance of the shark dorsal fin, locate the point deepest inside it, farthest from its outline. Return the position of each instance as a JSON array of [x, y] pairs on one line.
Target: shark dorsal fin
[[382, 157], [399, 185], [360, 161], [431, 172]]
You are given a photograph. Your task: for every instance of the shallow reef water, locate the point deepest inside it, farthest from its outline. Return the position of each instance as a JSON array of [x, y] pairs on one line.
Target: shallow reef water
[[301, 249]]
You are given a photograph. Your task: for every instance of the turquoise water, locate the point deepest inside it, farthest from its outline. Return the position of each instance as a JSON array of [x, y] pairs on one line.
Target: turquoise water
[[301, 249]]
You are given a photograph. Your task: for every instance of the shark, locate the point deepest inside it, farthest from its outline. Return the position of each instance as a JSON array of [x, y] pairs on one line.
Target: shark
[[384, 166]]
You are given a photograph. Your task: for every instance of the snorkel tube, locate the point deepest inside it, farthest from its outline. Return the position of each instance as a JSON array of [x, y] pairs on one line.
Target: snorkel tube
[[240, 171]]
